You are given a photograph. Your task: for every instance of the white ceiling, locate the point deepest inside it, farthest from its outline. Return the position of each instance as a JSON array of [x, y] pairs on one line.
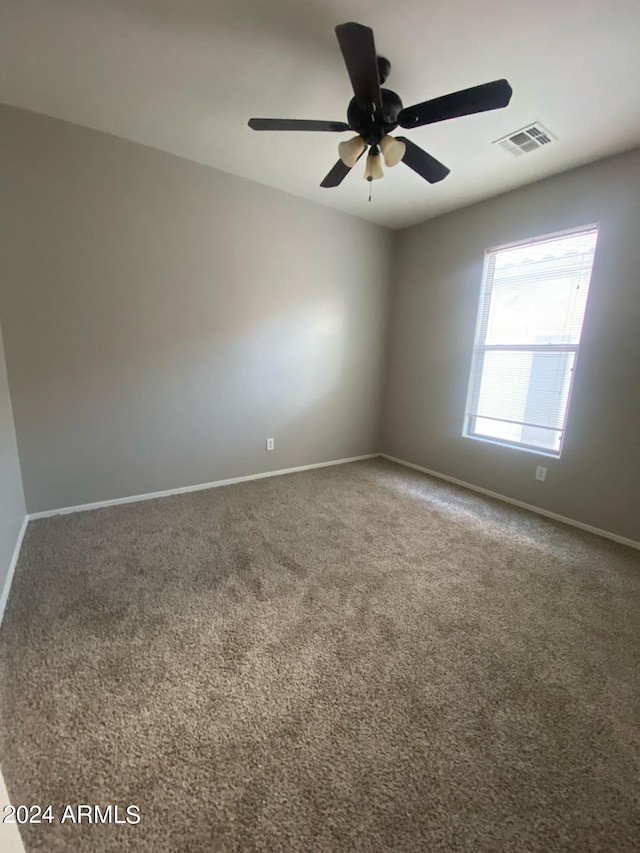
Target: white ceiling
[[185, 75]]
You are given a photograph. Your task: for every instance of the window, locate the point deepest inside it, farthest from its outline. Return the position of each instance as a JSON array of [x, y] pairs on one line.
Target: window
[[533, 301]]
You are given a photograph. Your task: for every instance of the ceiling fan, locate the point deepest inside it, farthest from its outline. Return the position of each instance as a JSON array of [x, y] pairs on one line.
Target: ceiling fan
[[374, 112]]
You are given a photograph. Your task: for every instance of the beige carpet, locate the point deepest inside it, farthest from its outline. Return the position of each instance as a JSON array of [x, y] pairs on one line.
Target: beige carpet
[[357, 658]]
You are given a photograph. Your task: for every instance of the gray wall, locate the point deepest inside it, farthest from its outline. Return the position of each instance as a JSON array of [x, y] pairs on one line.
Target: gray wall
[[436, 293], [12, 508], [163, 318]]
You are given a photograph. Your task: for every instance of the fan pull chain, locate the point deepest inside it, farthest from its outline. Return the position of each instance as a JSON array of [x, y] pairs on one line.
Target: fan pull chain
[[370, 186]]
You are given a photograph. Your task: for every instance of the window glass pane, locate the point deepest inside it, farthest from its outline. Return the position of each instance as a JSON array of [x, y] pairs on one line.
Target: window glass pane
[[528, 387], [539, 292]]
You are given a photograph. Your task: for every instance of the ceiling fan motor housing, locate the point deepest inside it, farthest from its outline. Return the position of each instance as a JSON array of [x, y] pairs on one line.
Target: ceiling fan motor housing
[[384, 68], [372, 126]]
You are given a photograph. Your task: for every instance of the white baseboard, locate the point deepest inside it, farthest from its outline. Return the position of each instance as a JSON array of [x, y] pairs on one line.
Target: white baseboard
[[12, 567], [554, 515], [184, 489]]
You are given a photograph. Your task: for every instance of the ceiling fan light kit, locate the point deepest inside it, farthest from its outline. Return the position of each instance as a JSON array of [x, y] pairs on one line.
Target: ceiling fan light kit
[[393, 150], [373, 170], [374, 112], [351, 150]]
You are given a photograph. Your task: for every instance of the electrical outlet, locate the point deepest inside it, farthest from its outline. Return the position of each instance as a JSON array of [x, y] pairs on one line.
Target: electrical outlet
[[271, 444], [541, 473]]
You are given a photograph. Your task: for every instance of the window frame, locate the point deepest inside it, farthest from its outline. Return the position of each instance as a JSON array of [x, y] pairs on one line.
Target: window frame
[[480, 348]]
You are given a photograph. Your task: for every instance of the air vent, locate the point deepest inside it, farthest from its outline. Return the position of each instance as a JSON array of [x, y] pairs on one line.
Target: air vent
[[525, 140]]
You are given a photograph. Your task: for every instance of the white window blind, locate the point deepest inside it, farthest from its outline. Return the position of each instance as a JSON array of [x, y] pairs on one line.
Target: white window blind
[[533, 302]]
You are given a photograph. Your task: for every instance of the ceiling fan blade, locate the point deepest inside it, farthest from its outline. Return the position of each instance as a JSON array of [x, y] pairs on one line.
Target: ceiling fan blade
[[297, 124], [359, 52], [336, 176], [339, 172], [424, 164], [478, 99]]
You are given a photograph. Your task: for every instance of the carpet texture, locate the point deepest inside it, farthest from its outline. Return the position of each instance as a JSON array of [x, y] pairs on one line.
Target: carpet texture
[[358, 658]]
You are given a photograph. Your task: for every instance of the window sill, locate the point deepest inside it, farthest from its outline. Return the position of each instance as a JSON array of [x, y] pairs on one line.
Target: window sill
[[548, 454]]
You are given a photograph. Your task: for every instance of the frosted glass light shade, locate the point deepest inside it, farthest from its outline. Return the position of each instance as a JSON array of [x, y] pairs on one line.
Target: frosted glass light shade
[[392, 150], [373, 170], [350, 150]]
